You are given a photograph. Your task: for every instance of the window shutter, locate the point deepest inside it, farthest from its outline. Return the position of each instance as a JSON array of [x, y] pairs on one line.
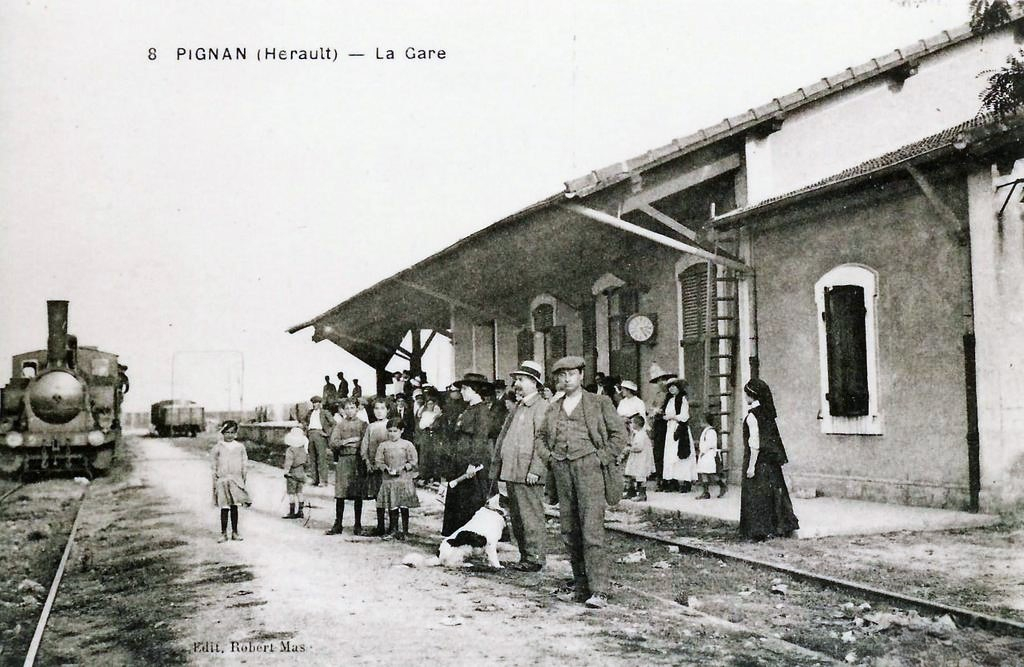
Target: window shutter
[[629, 301], [590, 335], [555, 346], [693, 285], [846, 348], [524, 345], [543, 317], [623, 363]]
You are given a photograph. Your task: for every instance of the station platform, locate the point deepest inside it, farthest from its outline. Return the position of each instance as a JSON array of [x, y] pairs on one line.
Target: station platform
[[821, 516]]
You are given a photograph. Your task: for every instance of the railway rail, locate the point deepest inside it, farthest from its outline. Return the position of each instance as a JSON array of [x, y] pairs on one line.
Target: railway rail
[[964, 617], [44, 616], [10, 492], [52, 502]]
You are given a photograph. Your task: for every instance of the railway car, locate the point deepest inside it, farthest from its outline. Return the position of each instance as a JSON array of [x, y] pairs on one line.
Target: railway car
[[62, 406], [171, 418]]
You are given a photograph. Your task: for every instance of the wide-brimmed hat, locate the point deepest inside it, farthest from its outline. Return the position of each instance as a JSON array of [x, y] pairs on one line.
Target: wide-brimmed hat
[[477, 381], [657, 373], [568, 363], [530, 369], [683, 385], [630, 385], [296, 438]]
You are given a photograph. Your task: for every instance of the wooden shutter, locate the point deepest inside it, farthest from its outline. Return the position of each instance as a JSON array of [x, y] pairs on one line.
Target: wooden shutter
[[543, 317], [554, 346], [524, 345], [629, 301], [622, 363], [693, 285], [625, 302], [590, 335], [846, 348]]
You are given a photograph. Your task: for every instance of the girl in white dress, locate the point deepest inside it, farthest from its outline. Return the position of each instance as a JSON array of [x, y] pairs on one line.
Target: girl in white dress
[[679, 472], [640, 463], [709, 463]]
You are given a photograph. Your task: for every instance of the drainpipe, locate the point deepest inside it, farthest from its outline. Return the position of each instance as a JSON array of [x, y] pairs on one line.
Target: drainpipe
[[962, 230]]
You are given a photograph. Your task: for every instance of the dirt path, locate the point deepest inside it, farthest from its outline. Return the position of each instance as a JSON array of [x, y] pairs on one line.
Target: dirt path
[[331, 599]]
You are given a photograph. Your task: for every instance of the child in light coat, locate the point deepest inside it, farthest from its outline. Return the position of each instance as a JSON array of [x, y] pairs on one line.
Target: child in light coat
[[640, 463], [229, 462], [709, 462]]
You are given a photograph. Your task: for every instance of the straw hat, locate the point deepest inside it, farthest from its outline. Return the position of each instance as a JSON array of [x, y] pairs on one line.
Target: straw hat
[[657, 373]]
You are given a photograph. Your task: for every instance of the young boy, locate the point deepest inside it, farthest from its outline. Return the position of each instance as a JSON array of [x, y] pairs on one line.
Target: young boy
[[295, 458]]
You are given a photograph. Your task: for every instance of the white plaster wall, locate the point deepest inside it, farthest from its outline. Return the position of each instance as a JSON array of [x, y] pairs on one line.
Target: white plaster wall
[[507, 352], [462, 344], [997, 265], [875, 118]]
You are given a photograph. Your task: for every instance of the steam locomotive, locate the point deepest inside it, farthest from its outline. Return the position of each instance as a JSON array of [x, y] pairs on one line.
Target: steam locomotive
[[62, 407]]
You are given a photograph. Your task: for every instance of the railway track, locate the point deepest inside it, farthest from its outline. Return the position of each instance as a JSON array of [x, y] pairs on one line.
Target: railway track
[[44, 616], [820, 598], [964, 617], [10, 492], [47, 505]]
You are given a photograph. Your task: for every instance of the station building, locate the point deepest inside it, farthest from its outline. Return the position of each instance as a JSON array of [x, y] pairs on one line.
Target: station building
[[857, 243]]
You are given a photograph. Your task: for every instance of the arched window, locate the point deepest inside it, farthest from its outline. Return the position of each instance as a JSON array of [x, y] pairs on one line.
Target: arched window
[[543, 317], [848, 350]]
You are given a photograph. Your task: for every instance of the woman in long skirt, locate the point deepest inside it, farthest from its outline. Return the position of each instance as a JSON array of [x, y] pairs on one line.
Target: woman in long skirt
[[679, 472], [765, 508], [470, 450]]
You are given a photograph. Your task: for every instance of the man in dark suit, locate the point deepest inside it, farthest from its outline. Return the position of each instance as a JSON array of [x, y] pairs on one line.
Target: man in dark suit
[[580, 435]]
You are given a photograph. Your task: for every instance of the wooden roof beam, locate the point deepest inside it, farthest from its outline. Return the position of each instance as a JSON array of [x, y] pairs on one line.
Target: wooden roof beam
[[668, 221], [687, 179], [660, 239], [489, 313]]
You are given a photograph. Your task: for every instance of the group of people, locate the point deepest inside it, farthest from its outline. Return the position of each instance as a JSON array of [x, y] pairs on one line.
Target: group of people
[[559, 442]]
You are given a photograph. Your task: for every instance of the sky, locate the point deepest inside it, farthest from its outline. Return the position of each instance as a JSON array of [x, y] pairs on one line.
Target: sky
[[192, 211]]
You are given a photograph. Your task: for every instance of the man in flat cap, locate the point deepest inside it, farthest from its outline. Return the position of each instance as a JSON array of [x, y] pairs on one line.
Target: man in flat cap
[[318, 426], [581, 434]]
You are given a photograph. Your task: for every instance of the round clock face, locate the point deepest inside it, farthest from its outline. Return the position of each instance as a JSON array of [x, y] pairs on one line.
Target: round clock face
[[640, 328]]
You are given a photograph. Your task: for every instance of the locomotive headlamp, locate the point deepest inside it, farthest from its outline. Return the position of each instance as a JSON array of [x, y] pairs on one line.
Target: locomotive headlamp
[[95, 438], [14, 439]]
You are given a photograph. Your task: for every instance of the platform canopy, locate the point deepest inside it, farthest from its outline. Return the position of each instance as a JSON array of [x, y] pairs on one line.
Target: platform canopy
[[491, 275]]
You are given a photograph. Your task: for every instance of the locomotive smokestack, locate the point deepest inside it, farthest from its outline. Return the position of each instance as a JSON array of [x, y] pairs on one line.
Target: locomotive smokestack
[[57, 337]]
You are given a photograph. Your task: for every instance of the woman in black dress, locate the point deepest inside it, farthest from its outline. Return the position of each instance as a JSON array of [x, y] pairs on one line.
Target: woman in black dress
[[765, 508], [470, 447]]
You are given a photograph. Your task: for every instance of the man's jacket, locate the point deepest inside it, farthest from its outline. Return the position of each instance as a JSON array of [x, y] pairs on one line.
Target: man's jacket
[[606, 428]]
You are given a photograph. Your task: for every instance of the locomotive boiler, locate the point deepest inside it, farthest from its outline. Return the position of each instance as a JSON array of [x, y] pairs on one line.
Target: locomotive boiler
[[62, 407]]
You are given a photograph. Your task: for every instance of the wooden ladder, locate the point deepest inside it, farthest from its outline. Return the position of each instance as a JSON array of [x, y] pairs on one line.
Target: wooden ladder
[[721, 341]]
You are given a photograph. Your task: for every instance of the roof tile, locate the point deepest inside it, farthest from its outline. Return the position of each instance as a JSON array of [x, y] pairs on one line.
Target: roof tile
[[938, 140], [783, 104], [865, 68], [888, 59], [936, 41], [610, 171]]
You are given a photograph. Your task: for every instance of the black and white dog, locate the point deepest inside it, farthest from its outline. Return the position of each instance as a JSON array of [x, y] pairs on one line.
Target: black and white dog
[[481, 533]]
